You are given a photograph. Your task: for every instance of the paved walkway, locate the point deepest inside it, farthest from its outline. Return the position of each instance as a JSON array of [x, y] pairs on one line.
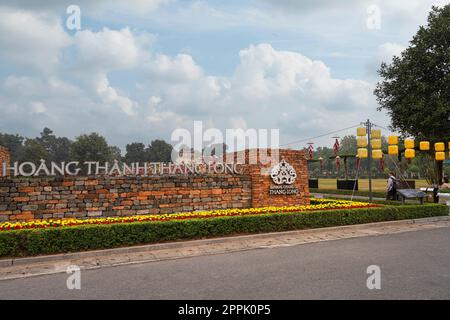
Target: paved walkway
[[34, 266]]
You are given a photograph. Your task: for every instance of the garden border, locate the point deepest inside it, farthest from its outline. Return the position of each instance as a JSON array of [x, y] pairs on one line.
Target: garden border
[[30, 242]]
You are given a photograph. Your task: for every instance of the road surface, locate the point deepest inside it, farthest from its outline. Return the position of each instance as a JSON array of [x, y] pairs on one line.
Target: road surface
[[414, 265]]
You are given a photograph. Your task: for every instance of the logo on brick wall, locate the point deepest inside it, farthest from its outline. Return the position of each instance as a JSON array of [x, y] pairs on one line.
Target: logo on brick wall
[[283, 176], [283, 173]]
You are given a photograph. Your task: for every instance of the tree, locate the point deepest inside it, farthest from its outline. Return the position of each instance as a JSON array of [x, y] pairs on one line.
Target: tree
[[92, 147], [58, 149], [160, 151], [136, 152], [32, 151], [415, 90], [14, 143], [116, 153]]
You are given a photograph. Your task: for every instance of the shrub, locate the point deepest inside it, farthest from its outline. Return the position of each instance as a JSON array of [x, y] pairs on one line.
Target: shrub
[[28, 242]]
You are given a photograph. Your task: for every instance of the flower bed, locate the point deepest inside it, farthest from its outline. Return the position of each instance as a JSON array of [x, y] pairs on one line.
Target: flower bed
[[52, 240], [316, 204]]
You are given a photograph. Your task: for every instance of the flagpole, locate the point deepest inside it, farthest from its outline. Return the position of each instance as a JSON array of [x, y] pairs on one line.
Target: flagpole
[[369, 128]]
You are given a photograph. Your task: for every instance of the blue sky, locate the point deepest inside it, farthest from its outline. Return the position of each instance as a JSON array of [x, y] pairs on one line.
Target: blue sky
[[137, 69]]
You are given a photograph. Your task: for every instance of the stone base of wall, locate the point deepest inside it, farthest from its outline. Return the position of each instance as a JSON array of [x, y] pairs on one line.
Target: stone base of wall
[[80, 197]]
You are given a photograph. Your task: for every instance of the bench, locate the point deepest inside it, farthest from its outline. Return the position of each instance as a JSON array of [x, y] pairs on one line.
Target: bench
[[411, 194]]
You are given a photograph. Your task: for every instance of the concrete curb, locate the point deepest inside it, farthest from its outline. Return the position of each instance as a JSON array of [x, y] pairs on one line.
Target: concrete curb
[[182, 244]]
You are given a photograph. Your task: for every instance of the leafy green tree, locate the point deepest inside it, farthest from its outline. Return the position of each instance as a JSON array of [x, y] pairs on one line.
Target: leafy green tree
[[159, 151], [32, 151], [136, 152], [116, 153], [92, 147], [14, 143], [58, 149], [415, 90]]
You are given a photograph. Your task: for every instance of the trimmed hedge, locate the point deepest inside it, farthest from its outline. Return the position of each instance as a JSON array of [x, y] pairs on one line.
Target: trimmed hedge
[[28, 242]]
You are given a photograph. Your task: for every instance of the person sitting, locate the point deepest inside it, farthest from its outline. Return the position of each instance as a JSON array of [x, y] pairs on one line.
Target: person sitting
[[445, 185], [391, 187]]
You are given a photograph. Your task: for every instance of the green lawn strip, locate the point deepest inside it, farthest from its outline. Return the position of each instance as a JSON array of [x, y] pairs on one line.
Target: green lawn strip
[[376, 194], [29, 242]]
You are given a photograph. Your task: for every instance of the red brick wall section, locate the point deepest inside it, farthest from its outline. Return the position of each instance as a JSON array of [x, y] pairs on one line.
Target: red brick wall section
[[4, 158], [261, 182], [80, 197]]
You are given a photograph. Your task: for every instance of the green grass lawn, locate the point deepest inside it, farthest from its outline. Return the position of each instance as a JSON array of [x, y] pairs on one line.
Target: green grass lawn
[[363, 184]]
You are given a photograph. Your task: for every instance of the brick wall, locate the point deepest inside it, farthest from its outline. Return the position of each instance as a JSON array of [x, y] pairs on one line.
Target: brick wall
[[64, 197], [261, 182], [4, 158], [38, 198]]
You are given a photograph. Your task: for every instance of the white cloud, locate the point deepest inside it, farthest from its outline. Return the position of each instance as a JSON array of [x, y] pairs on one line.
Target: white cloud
[[269, 88], [180, 68], [110, 96], [31, 39], [388, 50], [38, 107], [107, 49]]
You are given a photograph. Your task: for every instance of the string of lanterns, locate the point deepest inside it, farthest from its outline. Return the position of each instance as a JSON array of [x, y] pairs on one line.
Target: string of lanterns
[[393, 149]]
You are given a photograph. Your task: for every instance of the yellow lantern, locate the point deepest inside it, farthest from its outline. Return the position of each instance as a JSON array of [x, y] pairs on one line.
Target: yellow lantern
[[393, 150], [376, 143], [409, 144], [393, 140], [361, 132], [424, 145], [361, 142], [410, 153], [439, 147], [376, 133], [440, 156], [377, 154], [362, 153]]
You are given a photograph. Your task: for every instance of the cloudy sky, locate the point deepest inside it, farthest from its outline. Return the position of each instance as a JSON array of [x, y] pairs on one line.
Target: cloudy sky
[[138, 69]]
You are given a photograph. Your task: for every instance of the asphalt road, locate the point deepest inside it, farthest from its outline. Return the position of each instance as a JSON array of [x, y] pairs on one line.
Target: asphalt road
[[414, 265]]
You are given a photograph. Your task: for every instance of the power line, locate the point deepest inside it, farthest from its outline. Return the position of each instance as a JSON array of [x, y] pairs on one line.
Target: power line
[[323, 135]]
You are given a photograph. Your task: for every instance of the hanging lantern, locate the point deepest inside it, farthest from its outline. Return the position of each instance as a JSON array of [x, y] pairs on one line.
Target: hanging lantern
[[393, 150], [361, 142], [409, 144], [410, 153], [376, 133], [393, 140], [361, 132], [377, 154], [376, 143], [439, 147], [424, 145], [362, 153], [440, 156]]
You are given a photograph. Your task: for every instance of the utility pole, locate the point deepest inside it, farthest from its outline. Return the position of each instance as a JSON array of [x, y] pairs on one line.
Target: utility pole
[[369, 128]]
